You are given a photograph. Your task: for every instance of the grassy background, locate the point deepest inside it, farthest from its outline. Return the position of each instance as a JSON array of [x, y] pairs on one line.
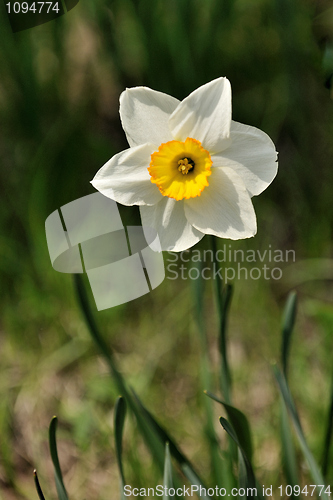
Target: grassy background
[[59, 89]]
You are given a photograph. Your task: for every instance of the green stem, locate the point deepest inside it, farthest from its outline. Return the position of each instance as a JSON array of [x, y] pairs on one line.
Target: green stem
[[223, 300]]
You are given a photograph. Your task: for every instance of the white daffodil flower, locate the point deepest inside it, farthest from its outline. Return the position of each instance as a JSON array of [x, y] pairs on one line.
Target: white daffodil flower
[[190, 167]]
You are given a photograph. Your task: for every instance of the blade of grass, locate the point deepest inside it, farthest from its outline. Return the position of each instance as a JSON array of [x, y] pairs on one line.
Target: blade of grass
[[246, 475], [288, 322], [155, 437], [289, 461], [183, 462], [94, 332], [119, 420], [152, 440], [328, 436], [288, 400], [167, 476], [38, 488], [61, 490], [240, 424]]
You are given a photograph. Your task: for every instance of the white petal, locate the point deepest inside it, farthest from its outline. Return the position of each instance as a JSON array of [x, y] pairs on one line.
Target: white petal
[[224, 207], [168, 219], [205, 115], [125, 178], [252, 155], [144, 115]]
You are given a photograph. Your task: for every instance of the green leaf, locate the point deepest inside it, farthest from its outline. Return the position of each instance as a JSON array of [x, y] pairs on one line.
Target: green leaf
[[119, 419], [240, 424], [62, 494], [288, 400], [246, 475], [38, 488], [94, 331], [287, 328], [167, 477], [287, 443], [328, 435], [288, 449], [152, 441], [155, 437], [164, 437]]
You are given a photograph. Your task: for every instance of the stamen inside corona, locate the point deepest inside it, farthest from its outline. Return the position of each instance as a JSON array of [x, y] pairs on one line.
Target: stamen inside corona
[[180, 169], [186, 165]]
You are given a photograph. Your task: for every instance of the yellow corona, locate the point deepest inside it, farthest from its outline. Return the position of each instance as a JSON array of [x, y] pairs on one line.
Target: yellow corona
[[180, 169]]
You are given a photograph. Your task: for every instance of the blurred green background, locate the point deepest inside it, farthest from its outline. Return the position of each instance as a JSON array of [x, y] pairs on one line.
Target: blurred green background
[[59, 89]]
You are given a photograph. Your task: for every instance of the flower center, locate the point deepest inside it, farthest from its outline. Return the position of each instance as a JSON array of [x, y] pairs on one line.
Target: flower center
[[180, 169], [186, 165]]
